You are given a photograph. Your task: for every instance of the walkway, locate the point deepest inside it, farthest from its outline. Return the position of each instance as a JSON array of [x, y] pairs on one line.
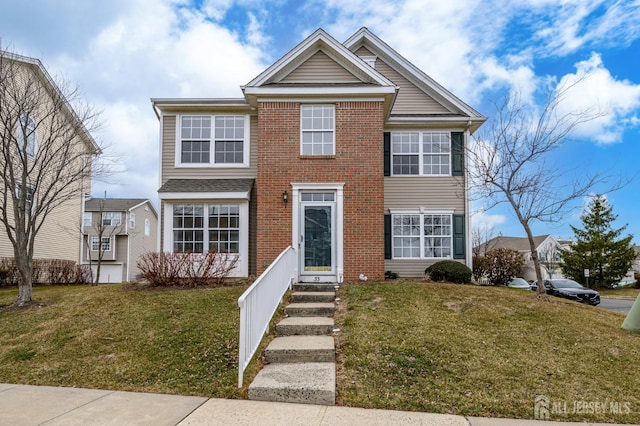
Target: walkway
[[22, 405]]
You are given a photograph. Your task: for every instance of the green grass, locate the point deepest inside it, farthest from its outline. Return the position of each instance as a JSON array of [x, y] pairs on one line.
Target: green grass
[[620, 293], [482, 351], [174, 341]]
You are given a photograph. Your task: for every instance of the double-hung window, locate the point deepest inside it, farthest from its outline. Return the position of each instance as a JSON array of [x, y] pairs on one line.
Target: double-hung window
[[218, 231], [317, 130], [420, 236], [104, 246], [86, 218], [421, 153], [111, 218], [26, 136], [207, 140]]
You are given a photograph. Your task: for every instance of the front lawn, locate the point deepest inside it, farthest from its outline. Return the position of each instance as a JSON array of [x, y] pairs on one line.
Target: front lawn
[[484, 351], [173, 341], [620, 293]]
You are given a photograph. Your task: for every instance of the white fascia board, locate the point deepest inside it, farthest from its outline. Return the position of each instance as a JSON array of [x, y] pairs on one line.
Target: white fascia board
[[317, 38], [199, 103], [204, 195], [390, 54], [350, 90]]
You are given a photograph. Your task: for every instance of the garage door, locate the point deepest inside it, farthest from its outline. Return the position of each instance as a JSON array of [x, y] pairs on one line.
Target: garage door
[[109, 274]]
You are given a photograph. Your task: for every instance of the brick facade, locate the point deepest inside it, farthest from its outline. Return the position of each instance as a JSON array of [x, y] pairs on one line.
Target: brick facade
[[358, 163]]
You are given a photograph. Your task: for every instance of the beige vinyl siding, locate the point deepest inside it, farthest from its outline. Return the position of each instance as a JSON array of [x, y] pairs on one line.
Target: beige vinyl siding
[[409, 267], [410, 99], [59, 237], [170, 171], [139, 243], [432, 192], [363, 51], [412, 193], [121, 254], [320, 68]]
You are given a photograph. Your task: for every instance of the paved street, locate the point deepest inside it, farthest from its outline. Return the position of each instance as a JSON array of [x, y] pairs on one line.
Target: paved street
[[618, 305]]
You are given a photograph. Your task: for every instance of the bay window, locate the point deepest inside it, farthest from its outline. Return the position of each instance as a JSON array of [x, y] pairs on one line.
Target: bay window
[[218, 231]]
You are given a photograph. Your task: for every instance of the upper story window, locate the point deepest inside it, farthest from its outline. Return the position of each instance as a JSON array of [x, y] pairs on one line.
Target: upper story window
[[421, 153], [147, 227], [317, 130], [27, 130], [132, 220], [86, 218], [111, 218], [225, 144], [103, 244]]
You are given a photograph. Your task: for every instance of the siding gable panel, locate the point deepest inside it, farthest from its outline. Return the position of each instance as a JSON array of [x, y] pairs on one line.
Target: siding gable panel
[[410, 99], [320, 68]]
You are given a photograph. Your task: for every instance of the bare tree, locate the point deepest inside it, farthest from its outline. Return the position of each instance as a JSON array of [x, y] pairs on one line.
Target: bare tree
[[508, 163], [480, 236], [46, 154]]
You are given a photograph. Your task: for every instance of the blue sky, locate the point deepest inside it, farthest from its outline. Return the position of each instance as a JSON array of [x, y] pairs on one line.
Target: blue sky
[[123, 52]]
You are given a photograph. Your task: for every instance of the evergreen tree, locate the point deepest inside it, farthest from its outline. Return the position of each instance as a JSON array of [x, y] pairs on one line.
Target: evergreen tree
[[598, 248]]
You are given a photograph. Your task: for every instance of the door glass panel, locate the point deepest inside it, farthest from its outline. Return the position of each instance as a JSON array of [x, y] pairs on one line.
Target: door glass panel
[[317, 239]]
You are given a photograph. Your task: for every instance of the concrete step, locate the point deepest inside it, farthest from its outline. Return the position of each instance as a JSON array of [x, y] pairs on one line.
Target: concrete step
[[290, 349], [315, 309], [305, 383], [313, 296], [305, 326], [314, 286]]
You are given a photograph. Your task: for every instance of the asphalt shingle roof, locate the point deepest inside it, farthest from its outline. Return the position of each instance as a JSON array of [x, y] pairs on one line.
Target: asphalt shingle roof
[[207, 185], [112, 204]]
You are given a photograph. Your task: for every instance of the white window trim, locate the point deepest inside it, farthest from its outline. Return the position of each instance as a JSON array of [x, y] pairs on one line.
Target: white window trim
[[111, 216], [242, 267], [87, 219], [246, 145], [96, 239], [422, 212], [333, 129], [421, 153], [132, 220], [33, 134]]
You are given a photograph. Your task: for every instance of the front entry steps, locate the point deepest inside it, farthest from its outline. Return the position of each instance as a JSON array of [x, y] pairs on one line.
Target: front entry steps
[[301, 359]]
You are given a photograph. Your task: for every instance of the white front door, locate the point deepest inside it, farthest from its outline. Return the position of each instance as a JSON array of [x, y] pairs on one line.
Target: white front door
[[317, 236]]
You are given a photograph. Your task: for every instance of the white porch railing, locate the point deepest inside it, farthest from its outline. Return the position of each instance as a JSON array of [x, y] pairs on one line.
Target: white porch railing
[[259, 303]]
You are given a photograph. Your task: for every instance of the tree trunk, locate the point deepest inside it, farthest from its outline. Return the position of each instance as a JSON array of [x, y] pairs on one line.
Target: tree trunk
[[25, 285], [536, 262]]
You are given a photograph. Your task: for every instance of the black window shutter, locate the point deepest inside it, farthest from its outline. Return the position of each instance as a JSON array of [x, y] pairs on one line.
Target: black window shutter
[[458, 237], [387, 154], [457, 153], [387, 236]]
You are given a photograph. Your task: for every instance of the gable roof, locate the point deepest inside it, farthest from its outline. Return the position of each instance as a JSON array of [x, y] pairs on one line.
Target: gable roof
[[364, 37], [319, 41], [116, 204], [514, 243], [36, 66]]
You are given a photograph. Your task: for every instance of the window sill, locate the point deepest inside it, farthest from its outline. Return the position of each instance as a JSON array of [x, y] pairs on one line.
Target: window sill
[[317, 157]]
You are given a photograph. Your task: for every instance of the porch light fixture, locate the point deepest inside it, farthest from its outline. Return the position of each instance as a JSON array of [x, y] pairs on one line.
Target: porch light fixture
[[285, 197]]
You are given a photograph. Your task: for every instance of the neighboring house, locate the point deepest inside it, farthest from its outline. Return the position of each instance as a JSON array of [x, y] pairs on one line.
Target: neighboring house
[[59, 236], [548, 249], [129, 228], [347, 152]]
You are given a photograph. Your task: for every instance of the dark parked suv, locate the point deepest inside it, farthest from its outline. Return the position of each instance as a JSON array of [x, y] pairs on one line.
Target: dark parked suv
[[571, 290]]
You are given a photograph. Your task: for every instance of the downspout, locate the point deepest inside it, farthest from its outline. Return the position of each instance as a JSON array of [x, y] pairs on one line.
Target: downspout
[[467, 204]]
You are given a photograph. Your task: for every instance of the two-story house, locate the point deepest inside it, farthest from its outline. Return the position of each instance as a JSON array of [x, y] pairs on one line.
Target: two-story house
[[120, 230], [46, 150], [345, 151]]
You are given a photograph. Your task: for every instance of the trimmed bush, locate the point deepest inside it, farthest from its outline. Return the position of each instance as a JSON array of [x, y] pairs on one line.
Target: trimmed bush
[[44, 271], [449, 270], [503, 264]]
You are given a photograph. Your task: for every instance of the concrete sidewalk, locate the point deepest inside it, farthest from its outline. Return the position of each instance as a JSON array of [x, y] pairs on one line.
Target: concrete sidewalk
[[44, 405]]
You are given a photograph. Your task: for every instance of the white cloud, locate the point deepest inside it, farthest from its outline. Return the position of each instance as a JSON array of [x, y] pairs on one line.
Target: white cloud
[[157, 49], [480, 219], [595, 89]]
